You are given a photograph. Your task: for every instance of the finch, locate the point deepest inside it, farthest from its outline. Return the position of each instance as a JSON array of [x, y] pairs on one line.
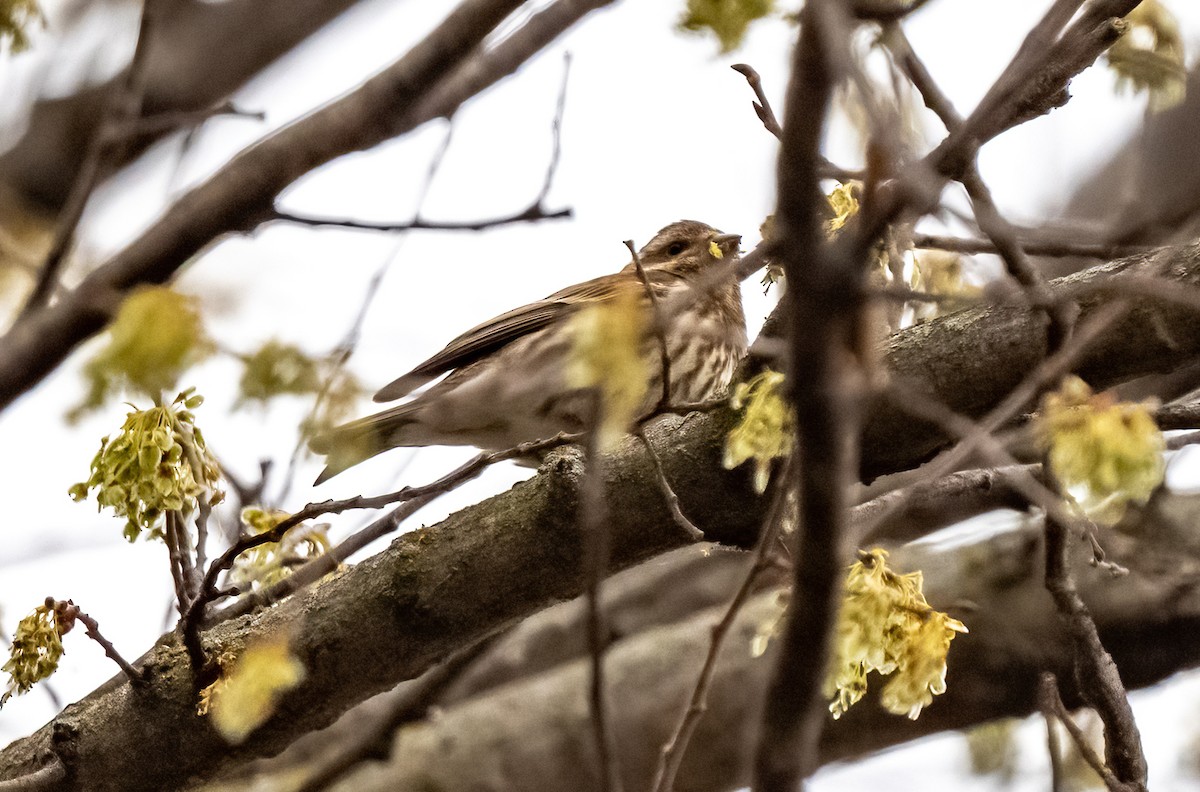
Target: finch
[[506, 382]]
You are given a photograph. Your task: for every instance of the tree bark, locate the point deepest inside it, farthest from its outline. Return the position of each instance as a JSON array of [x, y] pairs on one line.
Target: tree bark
[[435, 590]]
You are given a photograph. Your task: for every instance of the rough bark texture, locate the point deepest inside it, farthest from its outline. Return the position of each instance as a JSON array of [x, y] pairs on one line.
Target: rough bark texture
[[533, 733], [393, 616]]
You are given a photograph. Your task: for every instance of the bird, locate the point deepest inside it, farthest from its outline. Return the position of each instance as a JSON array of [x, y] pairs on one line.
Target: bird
[[506, 383]]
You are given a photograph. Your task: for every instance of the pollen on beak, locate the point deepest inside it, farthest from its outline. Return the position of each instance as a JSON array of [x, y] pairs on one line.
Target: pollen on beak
[[728, 242]]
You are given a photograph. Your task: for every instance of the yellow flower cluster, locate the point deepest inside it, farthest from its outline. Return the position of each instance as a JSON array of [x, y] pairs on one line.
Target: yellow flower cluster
[[246, 695], [269, 563], [15, 18], [843, 201], [156, 336], [36, 650], [607, 356], [1149, 57], [1106, 453], [157, 463], [728, 20], [885, 625], [766, 431]]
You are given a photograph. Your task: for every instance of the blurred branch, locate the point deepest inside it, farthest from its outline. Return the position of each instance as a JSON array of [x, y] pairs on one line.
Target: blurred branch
[[1096, 250], [824, 384], [123, 107], [440, 73], [530, 214]]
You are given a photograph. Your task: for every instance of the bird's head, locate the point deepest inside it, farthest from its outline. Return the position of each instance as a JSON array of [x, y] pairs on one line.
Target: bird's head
[[687, 246]]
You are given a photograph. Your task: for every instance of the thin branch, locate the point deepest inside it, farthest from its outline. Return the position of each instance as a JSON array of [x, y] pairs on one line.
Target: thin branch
[[93, 632], [49, 777], [673, 751], [1049, 248], [1048, 693], [179, 555], [762, 108], [67, 613], [824, 384], [532, 213], [660, 327], [124, 104], [1047, 689], [432, 80], [688, 527], [1002, 233], [597, 541], [914, 511], [1096, 674], [556, 132], [161, 124]]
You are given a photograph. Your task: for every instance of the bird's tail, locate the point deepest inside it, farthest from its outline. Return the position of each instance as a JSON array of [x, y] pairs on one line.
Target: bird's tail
[[347, 445]]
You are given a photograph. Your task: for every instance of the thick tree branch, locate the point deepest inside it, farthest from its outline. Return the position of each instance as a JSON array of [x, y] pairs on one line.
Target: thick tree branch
[[441, 588], [483, 742]]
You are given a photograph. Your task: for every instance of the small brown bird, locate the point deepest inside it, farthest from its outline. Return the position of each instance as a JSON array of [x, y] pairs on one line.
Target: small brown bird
[[507, 385]]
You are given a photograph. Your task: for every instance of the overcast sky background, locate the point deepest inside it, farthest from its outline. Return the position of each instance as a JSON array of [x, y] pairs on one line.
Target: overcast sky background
[[657, 128]]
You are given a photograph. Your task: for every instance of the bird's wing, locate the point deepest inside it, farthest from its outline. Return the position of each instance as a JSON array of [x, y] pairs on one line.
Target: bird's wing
[[500, 331]]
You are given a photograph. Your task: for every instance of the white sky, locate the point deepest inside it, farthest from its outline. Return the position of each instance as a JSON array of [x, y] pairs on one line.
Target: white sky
[[657, 128]]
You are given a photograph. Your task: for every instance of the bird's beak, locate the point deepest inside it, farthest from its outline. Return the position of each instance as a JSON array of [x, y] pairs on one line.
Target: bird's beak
[[728, 243]]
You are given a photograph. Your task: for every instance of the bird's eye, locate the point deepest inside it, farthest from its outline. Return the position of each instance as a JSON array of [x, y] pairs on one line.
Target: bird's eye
[[675, 248]]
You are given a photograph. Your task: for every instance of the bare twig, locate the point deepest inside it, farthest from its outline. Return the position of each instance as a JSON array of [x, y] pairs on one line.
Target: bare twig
[[1034, 247], [1048, 693], [688, 527], [762, 108], [910, 512], [49, 777], [530, 214], [593, 525], [660, 327], [1096, 674], [675, 748], [67, 613], [179, 555], [162, 123], [123, 106], [1047, 690], [993, 224]]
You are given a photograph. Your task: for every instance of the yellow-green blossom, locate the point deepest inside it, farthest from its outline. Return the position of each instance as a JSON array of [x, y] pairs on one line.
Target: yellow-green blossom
[[1149, 56], [157, 463], [246, 695], [156, 336], [843, 202], [271, 562], [885, 625], [765, 432], [275, 369], [607, 356], [36, 650], [1106, 453], [15, 17]]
